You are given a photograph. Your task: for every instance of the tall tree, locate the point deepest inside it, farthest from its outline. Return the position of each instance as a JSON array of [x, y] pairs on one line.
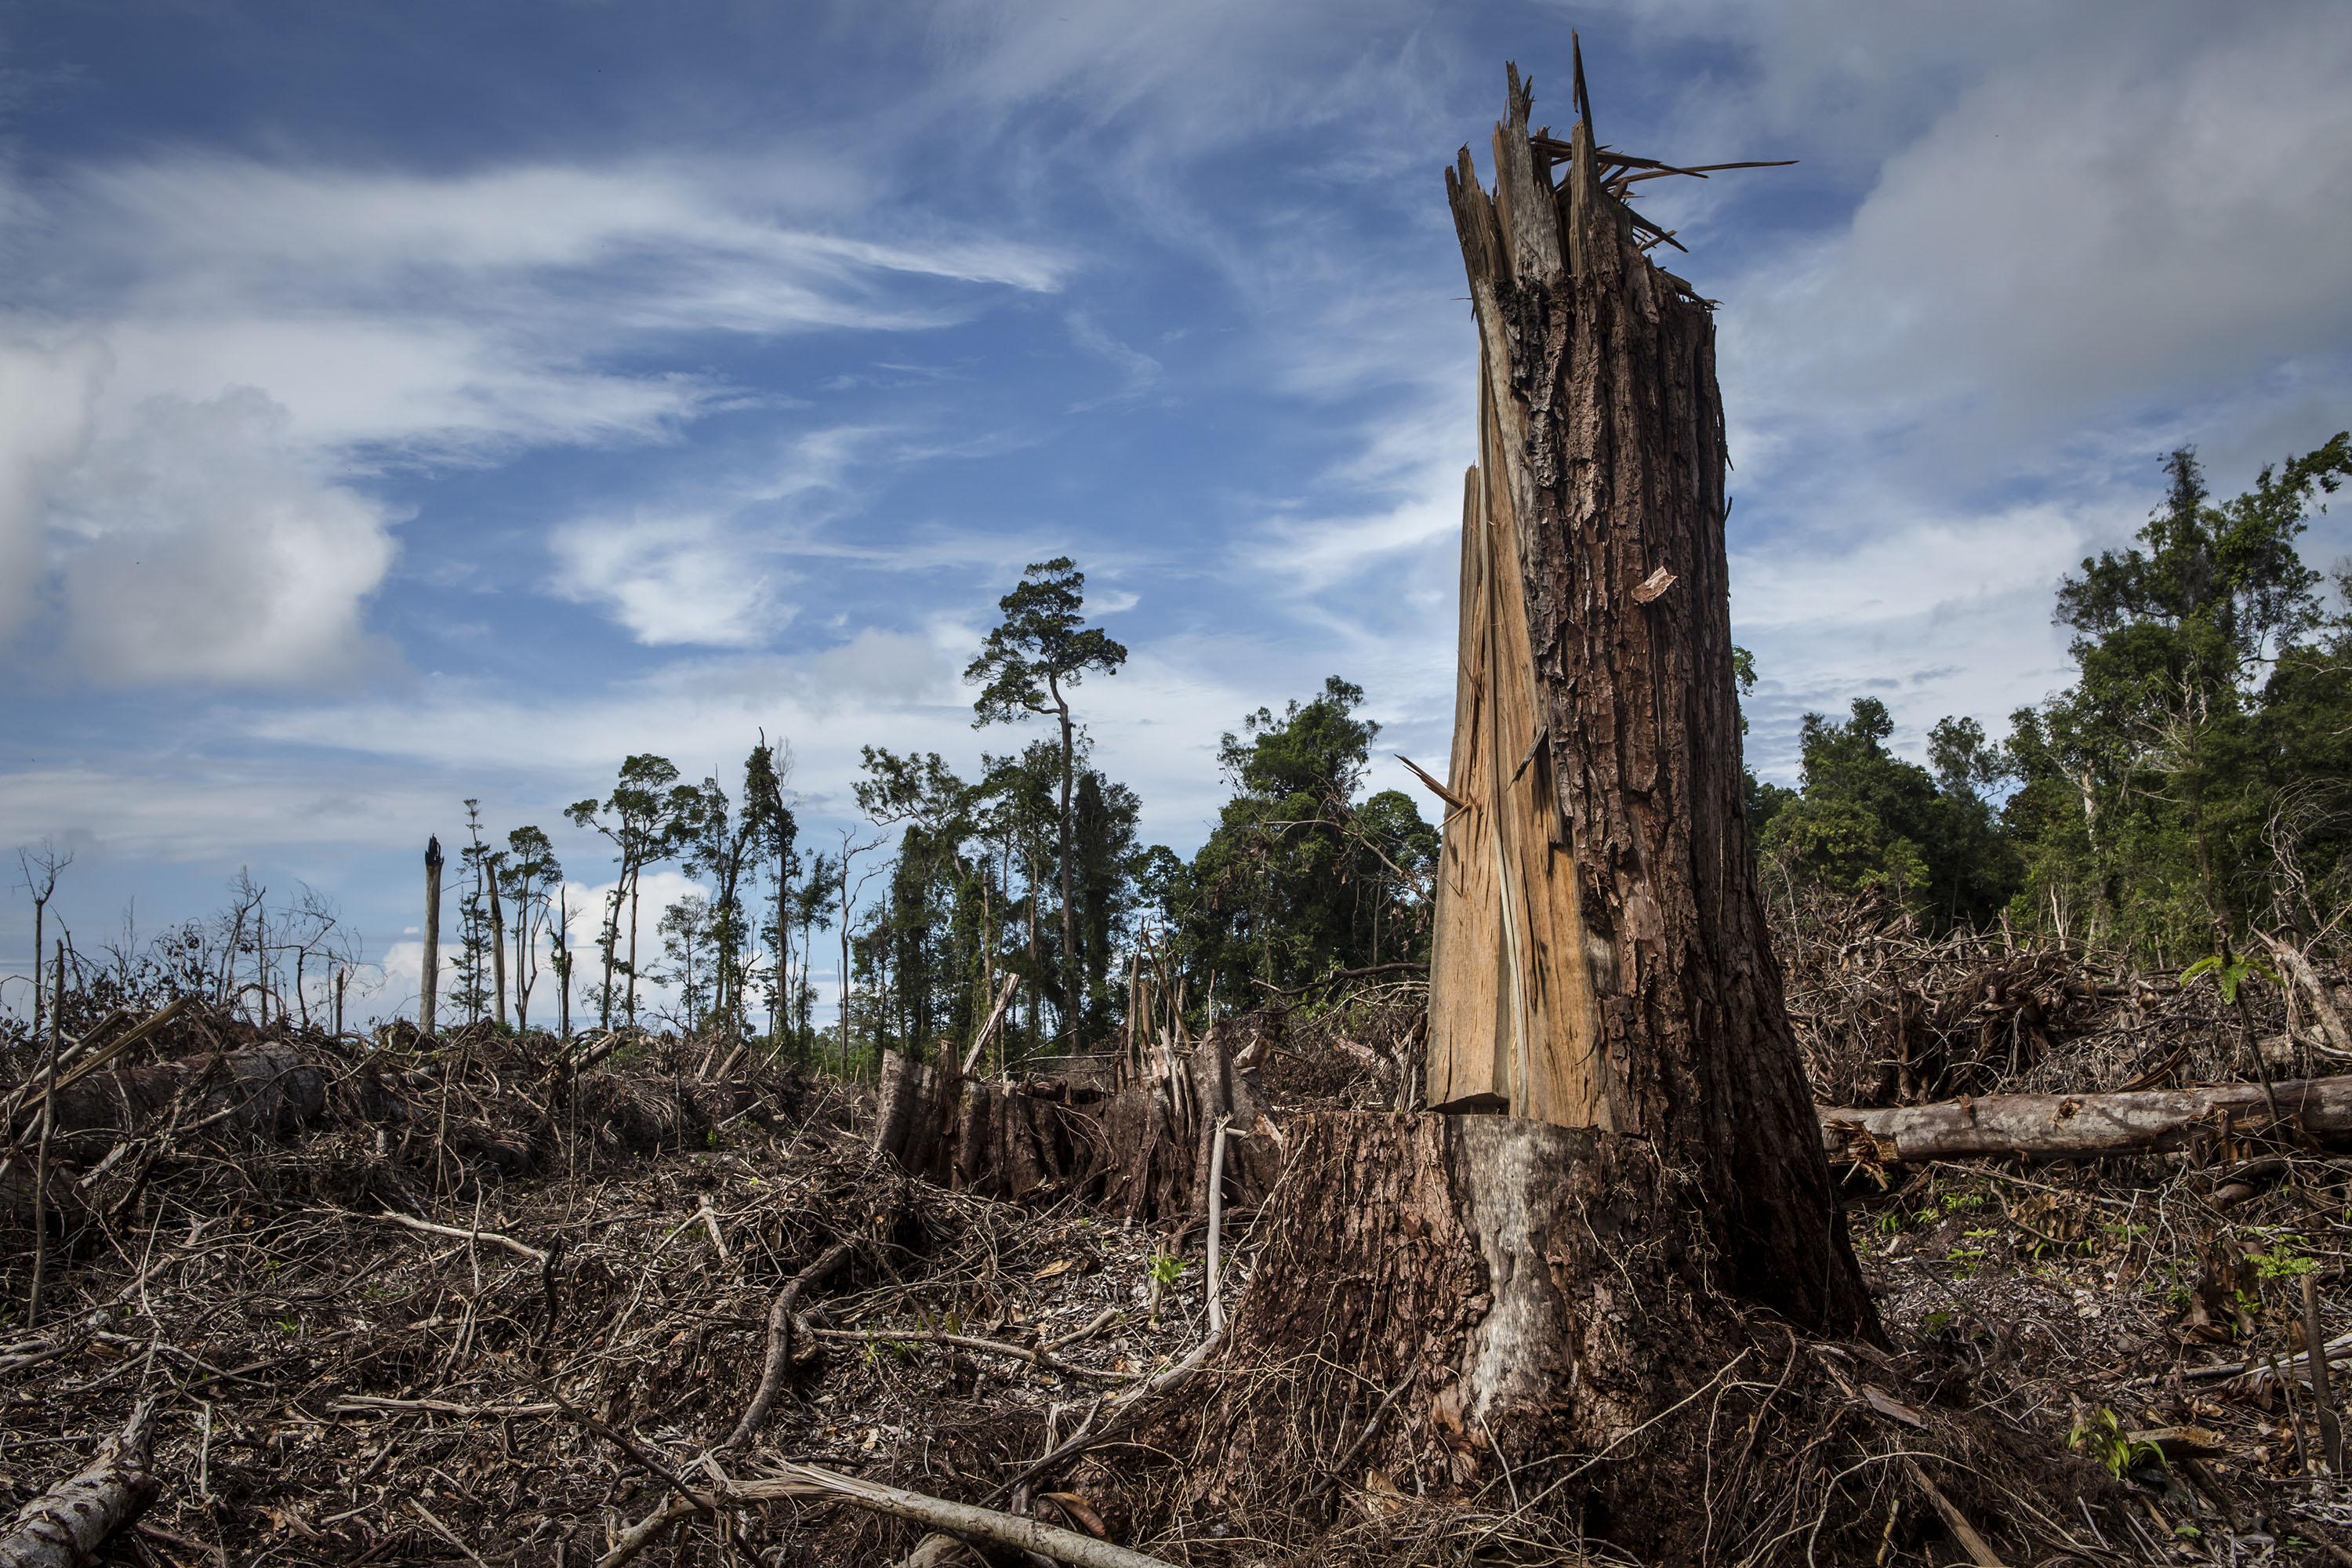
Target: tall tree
[[1034, 657], [711, 840], [812, 909], [528, 874], [638, 821], [476, 935], [1300, 878], [1868, 819], [773, 830], [2183, 642], [929, 922]]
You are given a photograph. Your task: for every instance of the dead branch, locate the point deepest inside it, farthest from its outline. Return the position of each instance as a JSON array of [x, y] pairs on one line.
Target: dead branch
[[65, 1525], [962, 1519], [520, 1250], [780, 1342]]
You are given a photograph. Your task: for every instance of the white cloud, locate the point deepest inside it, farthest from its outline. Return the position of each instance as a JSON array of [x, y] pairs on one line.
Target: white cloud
[[44, 398], [251, 334], [2093, 228], [670, 580], [209, 548]]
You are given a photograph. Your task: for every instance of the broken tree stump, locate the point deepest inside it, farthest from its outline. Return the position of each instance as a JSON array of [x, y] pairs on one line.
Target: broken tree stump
[[1584, 1278], [1139, 1146], [1601, 957]]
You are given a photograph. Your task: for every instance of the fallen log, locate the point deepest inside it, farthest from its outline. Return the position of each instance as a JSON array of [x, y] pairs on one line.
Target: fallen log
[[66, 1525], [2082, 1126]]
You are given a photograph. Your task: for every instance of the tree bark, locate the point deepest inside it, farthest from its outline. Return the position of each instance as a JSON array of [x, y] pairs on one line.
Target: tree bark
[[66, 1525], [497, 944], [1073, 1004], [1603, 854], [2078, 1126], [429, 978]]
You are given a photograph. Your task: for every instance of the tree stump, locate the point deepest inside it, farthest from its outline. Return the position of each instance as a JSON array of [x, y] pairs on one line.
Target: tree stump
[[1139, 1146], [1600, 956], [1590, 1281], [1505, 1292]]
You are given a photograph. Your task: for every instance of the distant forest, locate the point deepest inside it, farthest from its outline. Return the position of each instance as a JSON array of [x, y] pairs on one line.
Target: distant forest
[[2192, 783]]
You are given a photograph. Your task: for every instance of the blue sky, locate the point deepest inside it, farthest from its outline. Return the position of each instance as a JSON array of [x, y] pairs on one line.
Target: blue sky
[[404, 403]]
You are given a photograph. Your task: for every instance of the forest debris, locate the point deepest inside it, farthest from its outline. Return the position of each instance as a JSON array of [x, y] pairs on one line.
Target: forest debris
[[2178, 1443], [2075, 1126], [66, 1524], [780, 1342], [1980, 1551], [2331, 1433], [519, 1248], [2298, 968], [798, 1480], [1894, 1409]]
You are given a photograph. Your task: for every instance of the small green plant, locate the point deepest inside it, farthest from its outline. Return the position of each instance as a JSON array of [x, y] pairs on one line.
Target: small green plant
[[1890, 1223], [1166, 1269], [289, 1326], [2228, 973], [2282, 1260], [2103, 1437], [1937, 1321]]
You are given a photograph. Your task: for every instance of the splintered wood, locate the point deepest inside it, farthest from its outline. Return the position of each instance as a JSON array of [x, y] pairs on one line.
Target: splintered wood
[[1511, 1023]]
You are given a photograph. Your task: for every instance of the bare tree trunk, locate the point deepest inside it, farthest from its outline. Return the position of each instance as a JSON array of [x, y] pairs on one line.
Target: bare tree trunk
[[1602, 851], [843, 1041], [40, 1008], [41, 1144], [632, 949], [498, 945], [1073, 1010], [1038, 989], [2076, 1126], [429, 977]]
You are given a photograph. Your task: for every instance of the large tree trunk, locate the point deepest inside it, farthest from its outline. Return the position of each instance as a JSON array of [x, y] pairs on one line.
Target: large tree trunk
[[1602, 959], [1565, 1299]]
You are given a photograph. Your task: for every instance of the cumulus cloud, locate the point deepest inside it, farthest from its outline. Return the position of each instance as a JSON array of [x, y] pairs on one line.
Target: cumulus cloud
[[44, 398], [209, 547], [669, 579]]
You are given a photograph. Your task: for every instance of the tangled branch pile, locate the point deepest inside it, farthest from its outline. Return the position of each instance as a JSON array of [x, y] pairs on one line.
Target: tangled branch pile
[[489, 1298]]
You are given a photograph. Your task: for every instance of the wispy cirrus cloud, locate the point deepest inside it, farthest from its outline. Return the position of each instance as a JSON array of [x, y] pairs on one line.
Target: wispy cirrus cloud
[[324, 321]]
